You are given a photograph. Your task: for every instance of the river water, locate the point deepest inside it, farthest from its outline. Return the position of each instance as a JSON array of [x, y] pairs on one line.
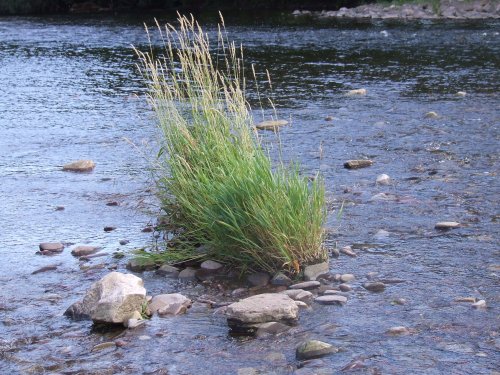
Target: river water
[[69, 90]]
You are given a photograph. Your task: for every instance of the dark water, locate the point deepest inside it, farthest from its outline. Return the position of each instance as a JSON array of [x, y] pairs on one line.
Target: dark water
[[69, 90]]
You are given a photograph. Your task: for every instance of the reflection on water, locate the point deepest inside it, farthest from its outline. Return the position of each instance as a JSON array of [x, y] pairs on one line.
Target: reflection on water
[[70, 91]]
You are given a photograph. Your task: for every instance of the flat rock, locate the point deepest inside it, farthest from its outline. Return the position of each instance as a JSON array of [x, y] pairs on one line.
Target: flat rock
[[211, 266], [331, 299], [104, 345], [280, 279], [84, 250], [271, 124], [258, 279], [375, 287], [299, 295], [79, 166], [445, 225], [168, 271], [345, 287], [45, 269], [312, 271], [262, 308], [396, 331], [113, 299], [51, 247], [466, 299], [314, 349], [347, 250], [307, 285], [431, 114], [356, 164], [169, 304], [356, 92], [272, 328], [141, 264]]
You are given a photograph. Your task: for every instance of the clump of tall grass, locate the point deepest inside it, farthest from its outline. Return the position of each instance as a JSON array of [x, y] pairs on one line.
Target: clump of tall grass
[[217, 183]]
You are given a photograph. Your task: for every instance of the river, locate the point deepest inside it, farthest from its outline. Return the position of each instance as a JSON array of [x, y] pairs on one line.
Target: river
[[69, 90]]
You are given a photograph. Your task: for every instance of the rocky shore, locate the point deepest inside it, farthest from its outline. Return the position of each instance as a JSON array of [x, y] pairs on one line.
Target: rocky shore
[[433, 10]]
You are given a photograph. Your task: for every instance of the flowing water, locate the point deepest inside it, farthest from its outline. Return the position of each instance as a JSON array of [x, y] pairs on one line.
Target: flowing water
[[69, 90]]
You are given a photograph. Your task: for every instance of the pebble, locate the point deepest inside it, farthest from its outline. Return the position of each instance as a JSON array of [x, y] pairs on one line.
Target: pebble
[[400, 330], [79, 166], [109, 229], [211, 265], [481, 304], [306, 285], [124, 242], [445, 225], [431, 114], [356, 164], [375, 287], [331, 300], [461, 93], [144, 337], [335, 252], [329, 118], [466, 299], [84, 250], [383, 179], [399, 301], [356, 92], [314, 349], [345, 287], [347, 277], [112, 204], [60, 208], [347, 250]]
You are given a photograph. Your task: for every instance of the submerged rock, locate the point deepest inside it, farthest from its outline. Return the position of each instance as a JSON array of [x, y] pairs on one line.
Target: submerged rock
[[313, 271], [431, 114], [347, 250], [331, 299], [271, 124], [79, 166], [84, 250], [383, 179], [113, 299], [314, 349], [49, 248], [445, 225], [258, 279], [169, 304], [243, 316], [45, 269], [141, 264], [356, 92], [375, 287], [280, 279], [168, 271], [400, 330], [356, 164], [188, 274]]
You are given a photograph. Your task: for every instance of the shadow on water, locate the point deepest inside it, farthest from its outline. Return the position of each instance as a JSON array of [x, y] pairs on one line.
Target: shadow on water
[[70, 91]]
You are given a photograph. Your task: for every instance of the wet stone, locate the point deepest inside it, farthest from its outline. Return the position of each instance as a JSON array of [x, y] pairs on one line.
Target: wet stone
[[356, 92], [258, 279], [188, 274], [481, 304], [168, 271], [84, 250], [383, 179], [356, 164], [445, 225], [466, 299], [51, 247], [375, 287], [331, 299], [347, 250], [141, 264], [345, 287], [79, 166], [306, 285], [280, 279], [45, 269], [314, 349], [123, 242], [299, 295], [169, 304], [109, 228], [397, 331], [347, 277], [313, 271], [271, 124], [211, 266], [104, 345]]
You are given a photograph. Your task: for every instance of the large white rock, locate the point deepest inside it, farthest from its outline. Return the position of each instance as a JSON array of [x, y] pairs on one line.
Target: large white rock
[[114, 298], [262, 308]]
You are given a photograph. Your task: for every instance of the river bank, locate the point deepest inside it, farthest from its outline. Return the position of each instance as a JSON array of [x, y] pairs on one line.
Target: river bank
[[432, 10]]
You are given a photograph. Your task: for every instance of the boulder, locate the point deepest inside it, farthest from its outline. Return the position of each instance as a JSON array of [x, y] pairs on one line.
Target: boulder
[[312, 271], [331, 299], [169, 304], [245, 316], [314, 349], [79, 166], [113, 299]]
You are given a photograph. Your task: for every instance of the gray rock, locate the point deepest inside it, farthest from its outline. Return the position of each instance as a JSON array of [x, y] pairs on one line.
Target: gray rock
[[445, 225], [167, 270], [188, 274], [312, 271], [281, 279], [431, 114], [113, 299], [79, 166], [383, 179], [104, 345], [141, 264], [211, 266], [301, 305], [347, 250], [271, 124], [272, 328], [375, 287], [335, 252], [396, 331], [78, 311], [347, 277], [306, 285], [262, 308], [345, 287], [299, 295], [84, 250], [45, 269], [331, 299], [356, 92], [258, 279], [356, 164], [314, 349], [169, 304], [52, 247], [481, 304]]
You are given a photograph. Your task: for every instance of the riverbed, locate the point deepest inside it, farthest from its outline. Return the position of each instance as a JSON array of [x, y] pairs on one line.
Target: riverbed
[[70, 90]]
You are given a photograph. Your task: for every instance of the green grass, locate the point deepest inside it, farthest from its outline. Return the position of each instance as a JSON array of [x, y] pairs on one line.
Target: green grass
[[217, 183]]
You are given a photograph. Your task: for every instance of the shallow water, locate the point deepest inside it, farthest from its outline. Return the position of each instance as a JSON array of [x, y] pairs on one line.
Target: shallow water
[[69, 91]]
